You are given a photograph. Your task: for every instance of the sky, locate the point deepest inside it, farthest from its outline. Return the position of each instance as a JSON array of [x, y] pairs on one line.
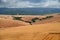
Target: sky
[[29, 3]]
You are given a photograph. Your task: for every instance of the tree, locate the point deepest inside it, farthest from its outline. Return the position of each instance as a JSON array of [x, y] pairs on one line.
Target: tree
[[17, 18], [49, 16], [34, 19], [29, 22]]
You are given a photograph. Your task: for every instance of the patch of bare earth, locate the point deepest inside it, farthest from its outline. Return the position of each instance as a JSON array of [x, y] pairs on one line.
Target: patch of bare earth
[[10, 23], [48, 31]]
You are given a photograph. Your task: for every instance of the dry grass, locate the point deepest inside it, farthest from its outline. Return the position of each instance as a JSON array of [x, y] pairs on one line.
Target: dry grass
[[48, 29], [10, 23], [34, 32], [49, 20]]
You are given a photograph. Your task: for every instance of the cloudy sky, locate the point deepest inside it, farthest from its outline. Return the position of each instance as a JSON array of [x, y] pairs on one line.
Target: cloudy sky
[[29, 3]]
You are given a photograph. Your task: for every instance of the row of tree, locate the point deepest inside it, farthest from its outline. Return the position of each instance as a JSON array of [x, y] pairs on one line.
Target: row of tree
[[32, 20]]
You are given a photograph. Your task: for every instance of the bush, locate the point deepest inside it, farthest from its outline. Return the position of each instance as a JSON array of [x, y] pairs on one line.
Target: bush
[[40, 19], [34, 19], [28, 22], [17, 18], [44, 18], [49, 16]]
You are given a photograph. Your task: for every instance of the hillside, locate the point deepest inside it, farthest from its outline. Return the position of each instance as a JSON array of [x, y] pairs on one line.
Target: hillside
[[46, 27], [55, 18], [10, 23], [34, 32]]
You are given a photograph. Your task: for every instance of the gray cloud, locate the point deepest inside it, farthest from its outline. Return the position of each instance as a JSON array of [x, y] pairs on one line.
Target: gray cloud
[[35, 1], [29, 3]]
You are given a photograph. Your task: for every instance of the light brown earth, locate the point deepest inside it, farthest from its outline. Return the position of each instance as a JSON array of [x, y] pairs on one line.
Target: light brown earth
[[48, 29], [11, 23], [55, 18]]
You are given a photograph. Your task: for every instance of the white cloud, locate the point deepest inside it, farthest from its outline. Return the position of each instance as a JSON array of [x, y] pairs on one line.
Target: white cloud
[[25, 4], [4, 0], [52, 3], [19, 4]]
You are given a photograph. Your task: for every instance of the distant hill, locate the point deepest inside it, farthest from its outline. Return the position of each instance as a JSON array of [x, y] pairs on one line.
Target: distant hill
[[29, 11]]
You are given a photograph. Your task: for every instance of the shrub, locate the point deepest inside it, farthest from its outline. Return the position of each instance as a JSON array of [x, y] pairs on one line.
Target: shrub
[[34, 19], [17, 18], [40, 19], [28, 22], [49, 16], [44, 18]]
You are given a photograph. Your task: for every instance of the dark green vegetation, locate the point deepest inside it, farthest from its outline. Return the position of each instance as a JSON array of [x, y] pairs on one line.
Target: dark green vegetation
[[32, 20], [49, 16], [17, 18], [20, 18], [28, 22]]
